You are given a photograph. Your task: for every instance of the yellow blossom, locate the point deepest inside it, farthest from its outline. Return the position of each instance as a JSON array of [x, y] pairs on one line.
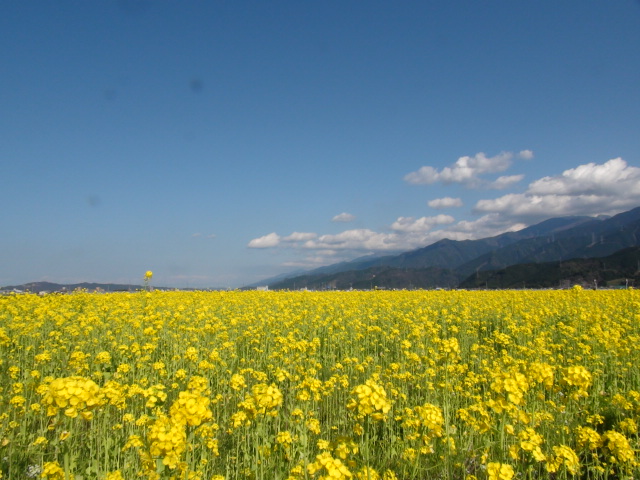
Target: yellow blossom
[[370, 400], [284, 438], [191, 409], [499, 471], [563, 456], [53, 471]]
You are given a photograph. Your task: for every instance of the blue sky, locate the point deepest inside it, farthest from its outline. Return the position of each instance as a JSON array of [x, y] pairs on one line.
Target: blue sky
[[221, 143]]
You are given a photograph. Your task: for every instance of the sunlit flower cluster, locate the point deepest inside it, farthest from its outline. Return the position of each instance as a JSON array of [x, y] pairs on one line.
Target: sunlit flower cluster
[[329, 467], [75, 395], [167, 438], [370, 400], [564, 456], [191, 409], [499, 471]]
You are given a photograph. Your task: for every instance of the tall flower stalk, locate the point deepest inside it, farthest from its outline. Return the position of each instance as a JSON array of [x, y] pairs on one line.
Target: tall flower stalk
[[148, 275]]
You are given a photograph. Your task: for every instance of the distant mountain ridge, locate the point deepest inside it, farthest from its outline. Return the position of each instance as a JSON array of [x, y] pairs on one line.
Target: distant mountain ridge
[[621, 269], [451, 261], [550, 246], [37, 287]]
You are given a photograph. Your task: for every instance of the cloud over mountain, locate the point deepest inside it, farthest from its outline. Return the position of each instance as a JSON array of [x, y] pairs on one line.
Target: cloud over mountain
[[588, 189], [266, 241], [423, 224]]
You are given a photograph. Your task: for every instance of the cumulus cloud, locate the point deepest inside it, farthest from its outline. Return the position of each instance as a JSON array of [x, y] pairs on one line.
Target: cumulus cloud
[[273, 239], [505, 181], [525, 154], [266, 241], [487, 225], [356, 239], [590, 189], [591, 179], [466, 170], [445, 202], [406, 233], [343, 217], [318, 260], [299, 237], [423, 224]]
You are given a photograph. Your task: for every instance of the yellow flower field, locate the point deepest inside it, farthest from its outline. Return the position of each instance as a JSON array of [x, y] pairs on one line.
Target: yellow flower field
[[301, 385]]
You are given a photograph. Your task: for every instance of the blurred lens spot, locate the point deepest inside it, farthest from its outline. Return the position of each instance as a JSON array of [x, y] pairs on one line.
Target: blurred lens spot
[[196, 85]]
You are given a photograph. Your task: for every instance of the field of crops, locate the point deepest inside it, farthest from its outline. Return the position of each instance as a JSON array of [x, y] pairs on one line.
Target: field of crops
[[301, 385]]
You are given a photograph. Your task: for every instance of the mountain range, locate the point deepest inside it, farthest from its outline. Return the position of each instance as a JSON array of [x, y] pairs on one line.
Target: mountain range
[[455, 263], [559, 252], [37, 287]]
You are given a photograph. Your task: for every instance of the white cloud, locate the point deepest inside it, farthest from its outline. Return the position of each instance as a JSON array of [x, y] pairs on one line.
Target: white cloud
[[299, 237], [406, 233], [357, 239], [486, 226], [423, 176], [590, 189], [610, 178], [344, 217], [466, 170], [320, 258], [505, 181], [445, 202], [531, 207], [267, 241], [423, 224], [525, 154]]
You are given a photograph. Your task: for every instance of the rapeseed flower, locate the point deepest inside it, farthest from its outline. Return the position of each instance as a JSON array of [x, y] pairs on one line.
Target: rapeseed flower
[[53, 471], [267, 398], [628, 426], [531, 441], [333, 467], [588, 438], [563, 456], [191, 409], [577, 376], [367, 473], [499, 375], [499, 471], [371, 400], [313, 424], [617, 446], [237, 382], [74, 394], [284, 438], [344, 446], [167, 440]]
